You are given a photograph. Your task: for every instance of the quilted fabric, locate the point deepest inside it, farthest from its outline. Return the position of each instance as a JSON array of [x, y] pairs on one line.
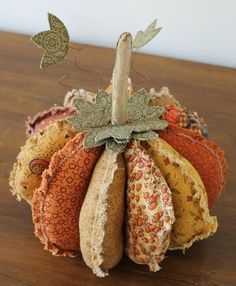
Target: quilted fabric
[[35, 156], [207, 158], [193, 220], [57, 202], [150, 213]]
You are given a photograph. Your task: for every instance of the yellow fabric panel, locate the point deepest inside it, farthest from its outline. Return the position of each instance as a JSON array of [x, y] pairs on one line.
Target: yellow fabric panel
[[25, 176], [193, 220]]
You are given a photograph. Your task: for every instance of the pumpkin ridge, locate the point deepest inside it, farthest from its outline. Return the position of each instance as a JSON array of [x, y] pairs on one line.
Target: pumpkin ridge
[[46, 191], [59, 122], [38, 146], [210, 222], [101, 217], [209, 146]]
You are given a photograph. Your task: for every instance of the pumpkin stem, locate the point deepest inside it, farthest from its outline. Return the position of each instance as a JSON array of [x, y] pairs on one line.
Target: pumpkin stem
[[120, 79]]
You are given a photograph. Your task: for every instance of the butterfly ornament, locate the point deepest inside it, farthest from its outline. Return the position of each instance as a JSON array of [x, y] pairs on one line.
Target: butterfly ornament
[[55, 42]]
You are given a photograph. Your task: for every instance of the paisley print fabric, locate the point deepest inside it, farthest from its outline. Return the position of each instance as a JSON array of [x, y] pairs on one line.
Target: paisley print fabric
[[207, 158], [150, 212], [35, 156], [193, 220], [57, 202]]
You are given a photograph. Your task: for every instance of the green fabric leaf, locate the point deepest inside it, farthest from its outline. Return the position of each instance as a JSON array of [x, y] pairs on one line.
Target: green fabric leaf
[[138, 107], [91, 115], [118, 132], [143, 136], [89, 140], [95, 119], [114, 146], [124, 133]]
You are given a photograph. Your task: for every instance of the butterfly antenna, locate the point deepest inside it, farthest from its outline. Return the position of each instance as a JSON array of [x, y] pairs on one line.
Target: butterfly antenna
[[145, 77], [96, 71], [61, 79]]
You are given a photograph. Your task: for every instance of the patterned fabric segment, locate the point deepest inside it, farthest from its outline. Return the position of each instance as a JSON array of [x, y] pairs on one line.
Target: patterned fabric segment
[[35, 156], [102, 214], [177, 114], [150, 213], [193, 220], [205, 156], [43, 119], [57, 202]]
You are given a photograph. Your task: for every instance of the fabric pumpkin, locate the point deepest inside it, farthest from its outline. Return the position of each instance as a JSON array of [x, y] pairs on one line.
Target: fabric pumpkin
[[193, 220], [150, 213], [57, 202], [77, 186], [35, 157], [207, 158]]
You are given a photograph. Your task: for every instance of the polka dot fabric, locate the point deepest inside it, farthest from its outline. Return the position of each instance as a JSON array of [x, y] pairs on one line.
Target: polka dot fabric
[[150, 212], [56, 204], [207, 158]]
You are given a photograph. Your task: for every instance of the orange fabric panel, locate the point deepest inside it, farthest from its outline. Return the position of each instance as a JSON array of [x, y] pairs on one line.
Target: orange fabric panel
[[57, 202], [150, 212], [207, 158]]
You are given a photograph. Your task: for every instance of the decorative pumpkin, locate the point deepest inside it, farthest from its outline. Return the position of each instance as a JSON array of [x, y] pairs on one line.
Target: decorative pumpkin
[[118, 170]]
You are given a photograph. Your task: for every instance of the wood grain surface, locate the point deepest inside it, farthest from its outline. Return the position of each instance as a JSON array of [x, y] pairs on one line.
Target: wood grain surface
[[26, 90]]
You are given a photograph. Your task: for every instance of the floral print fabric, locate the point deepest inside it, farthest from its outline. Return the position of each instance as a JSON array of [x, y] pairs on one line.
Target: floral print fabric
[[35, 157], [193, 220], [57, 202], [150, 212], [205, 156]]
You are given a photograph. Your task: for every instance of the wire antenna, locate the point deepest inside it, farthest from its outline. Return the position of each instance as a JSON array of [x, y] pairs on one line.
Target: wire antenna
[[136, 72], [77, 66]]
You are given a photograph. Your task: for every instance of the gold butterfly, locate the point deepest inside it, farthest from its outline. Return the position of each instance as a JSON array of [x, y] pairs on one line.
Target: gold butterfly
[[55, 42], [143, 37]]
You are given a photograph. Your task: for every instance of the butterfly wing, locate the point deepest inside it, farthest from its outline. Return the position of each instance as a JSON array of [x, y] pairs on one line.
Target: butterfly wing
[[55, 42], [58, 26], [50, 59], [143, 37]]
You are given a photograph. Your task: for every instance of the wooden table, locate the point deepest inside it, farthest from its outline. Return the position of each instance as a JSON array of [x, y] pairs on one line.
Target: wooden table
[[25, 90]]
